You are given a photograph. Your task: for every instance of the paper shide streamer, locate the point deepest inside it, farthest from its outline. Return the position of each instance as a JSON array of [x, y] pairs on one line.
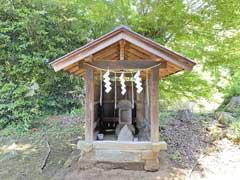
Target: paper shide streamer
[[107, 82], [122, 82], [138, 82]]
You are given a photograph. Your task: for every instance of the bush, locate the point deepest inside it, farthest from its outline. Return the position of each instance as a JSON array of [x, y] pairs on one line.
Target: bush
[[31, 34], [16, 106], [236, 132]]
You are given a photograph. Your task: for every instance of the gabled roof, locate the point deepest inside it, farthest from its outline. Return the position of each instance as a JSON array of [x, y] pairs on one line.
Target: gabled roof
[[138, 47]]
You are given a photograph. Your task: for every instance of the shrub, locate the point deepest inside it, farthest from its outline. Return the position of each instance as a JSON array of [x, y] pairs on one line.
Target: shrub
[[16, 106], [236, 132]]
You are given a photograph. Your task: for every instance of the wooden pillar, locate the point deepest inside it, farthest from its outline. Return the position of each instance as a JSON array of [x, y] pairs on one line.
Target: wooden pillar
[[139, 109], [122, 50], [89, 104], [154, 103]]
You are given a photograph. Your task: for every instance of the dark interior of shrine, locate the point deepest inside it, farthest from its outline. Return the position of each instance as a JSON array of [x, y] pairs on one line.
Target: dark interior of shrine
[[114, 110]]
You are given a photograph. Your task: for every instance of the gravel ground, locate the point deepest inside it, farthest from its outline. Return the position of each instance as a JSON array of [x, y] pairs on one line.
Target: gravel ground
[[186, 140]]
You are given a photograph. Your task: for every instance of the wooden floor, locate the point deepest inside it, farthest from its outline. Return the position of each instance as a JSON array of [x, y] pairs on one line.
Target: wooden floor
[[109, 136]]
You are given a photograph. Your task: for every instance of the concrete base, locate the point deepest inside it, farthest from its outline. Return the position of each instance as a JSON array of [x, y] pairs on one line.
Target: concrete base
[[117, 154]]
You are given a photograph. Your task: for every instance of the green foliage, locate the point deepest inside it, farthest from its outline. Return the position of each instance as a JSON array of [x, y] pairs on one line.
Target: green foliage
[[175, 156], [236, 130], [233, 89], [188, 85], [15, 106], [32, 33]]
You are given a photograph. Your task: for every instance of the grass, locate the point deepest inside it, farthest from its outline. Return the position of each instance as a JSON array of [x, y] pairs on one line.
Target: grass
[[166, 116], [175, 156], [236, 132]]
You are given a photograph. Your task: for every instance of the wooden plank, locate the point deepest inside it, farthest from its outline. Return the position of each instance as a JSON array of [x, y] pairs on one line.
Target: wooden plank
[[114, 46], [133, 57], [126, 64], [71, 66], [139, 52], [139, 49], [139, 56], [122, 50], [154, 104], [74, 69], [89, 58], [106, 53], [89, 105], [79, 72], [114, 56]]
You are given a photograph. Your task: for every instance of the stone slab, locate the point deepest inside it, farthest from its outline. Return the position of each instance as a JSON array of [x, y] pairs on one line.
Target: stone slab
[[127, 166], [152, 165], [84, 146], [149, 155], [122, 145], [157, 146], [117, 156]]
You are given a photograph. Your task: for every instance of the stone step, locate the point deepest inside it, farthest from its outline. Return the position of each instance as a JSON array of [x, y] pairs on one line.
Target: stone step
[[124, 145]]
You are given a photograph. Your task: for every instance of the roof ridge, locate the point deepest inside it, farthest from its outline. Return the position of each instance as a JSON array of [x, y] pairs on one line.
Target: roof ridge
[[122, 26]]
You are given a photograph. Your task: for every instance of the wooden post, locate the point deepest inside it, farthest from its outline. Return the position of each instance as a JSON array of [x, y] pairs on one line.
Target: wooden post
[[89, 105], [139, 109], [122, 50], [154, 106]]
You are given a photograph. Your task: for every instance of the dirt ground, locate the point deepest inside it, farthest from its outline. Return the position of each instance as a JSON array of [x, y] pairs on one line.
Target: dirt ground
[[167, 171], [222, 163], [49, 152]]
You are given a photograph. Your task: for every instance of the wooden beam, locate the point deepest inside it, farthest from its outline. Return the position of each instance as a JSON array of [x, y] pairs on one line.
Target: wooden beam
[[74, 69], [133, 57], [105, 53], [89, 58], [89, 105], [154, 104], [126, 64], [122, 50], [140, 50], [79, 72], [71, 66]]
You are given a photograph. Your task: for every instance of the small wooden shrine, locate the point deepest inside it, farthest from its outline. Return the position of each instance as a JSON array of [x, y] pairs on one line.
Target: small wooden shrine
[[122, 70]]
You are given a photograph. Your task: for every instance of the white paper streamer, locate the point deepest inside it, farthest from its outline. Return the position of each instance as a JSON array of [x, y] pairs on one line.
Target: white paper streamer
[[138, 82], [122, 82], [107, 82]]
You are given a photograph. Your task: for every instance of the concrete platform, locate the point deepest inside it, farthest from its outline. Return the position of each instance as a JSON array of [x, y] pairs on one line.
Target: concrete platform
[[121, 154]]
